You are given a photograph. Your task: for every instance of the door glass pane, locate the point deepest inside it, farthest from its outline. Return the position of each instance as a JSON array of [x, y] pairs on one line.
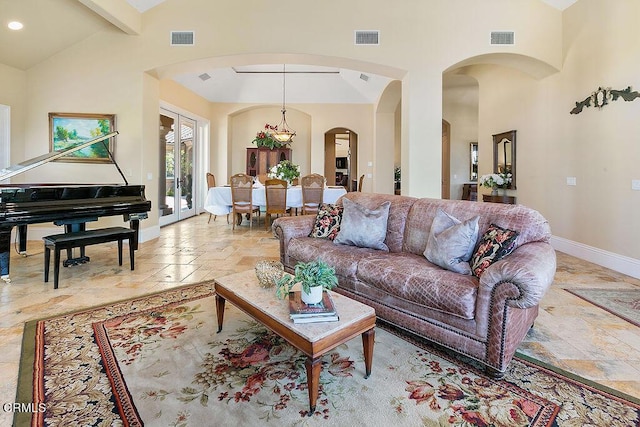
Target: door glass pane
[[167, 147], [187, 132]]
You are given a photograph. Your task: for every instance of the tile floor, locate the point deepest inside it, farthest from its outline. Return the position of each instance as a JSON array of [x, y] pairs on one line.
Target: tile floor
[[569, 333]]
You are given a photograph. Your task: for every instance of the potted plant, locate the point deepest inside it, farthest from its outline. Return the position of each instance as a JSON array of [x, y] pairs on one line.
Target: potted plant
[[314, 277], [265, 138]]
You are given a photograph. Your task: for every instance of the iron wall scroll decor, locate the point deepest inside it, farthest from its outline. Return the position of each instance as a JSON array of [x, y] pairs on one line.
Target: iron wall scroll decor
[[601, 97]]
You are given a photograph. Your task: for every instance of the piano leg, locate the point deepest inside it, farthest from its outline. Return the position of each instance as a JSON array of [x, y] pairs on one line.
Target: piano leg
[[5, 252], [134, 224], [70, 228], [22, 240]]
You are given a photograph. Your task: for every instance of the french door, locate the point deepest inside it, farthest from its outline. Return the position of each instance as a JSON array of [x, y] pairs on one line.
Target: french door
[[177, 148]]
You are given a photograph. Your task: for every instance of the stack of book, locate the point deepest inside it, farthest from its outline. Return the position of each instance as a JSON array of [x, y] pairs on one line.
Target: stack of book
[[301, 312]]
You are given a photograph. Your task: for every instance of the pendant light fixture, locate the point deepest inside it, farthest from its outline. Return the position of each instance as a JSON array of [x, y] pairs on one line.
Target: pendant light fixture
[[284, 133]]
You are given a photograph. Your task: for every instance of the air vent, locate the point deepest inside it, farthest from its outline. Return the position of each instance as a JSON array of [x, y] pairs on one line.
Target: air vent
[[502, 37], [182, 38], [368, 37], [204, 77]]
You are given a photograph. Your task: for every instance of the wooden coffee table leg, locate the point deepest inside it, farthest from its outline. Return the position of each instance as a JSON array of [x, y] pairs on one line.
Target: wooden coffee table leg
[[220, 311], [367, 344], [313, 381]]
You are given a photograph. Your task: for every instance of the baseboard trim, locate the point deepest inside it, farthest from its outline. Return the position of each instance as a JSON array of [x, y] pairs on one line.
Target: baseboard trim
[[620, 263]]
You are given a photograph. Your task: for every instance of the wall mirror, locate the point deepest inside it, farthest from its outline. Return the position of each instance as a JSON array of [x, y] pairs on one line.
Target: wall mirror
[[473, 173], [504, 155]]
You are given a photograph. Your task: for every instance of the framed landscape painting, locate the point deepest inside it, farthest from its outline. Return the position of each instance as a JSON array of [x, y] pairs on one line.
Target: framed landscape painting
[[69, 129]]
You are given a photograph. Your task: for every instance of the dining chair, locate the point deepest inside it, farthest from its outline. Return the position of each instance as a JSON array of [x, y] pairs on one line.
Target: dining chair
[[275, 191], [360, 183], [242, 198], [211, 182], [312, 192]]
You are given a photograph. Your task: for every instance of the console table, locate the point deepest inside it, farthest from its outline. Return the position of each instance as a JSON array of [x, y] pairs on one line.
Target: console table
[[470, 191], [509, 200]]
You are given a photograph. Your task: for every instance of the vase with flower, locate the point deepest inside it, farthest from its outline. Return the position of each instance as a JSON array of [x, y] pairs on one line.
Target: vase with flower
[[494, 181], [285, 170]]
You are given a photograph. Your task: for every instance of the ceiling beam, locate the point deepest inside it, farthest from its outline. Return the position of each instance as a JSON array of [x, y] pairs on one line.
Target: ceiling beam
[[119, 13]]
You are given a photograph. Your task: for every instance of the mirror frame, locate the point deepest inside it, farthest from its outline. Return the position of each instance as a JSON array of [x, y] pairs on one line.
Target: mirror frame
[[473, 158], [497, 140]]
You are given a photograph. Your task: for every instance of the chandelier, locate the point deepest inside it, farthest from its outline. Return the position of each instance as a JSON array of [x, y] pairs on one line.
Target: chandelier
[[283, 133]]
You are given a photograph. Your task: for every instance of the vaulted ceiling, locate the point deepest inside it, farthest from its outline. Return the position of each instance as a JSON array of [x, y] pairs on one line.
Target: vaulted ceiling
[[52, 26]]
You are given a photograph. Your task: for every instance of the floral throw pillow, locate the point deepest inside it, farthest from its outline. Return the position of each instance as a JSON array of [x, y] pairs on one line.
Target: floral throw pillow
[[328, 221], [495, 244]]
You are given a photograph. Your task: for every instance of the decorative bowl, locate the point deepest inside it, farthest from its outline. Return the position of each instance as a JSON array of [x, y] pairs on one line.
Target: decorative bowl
[[268, 272]]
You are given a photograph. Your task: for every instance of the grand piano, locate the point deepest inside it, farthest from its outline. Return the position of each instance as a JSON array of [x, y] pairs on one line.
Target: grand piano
[[70, 205]]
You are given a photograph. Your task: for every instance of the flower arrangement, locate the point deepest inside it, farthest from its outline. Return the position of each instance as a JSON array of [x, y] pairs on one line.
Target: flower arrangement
[[496, 180], [265, 138], [284, 170], [314, 273]]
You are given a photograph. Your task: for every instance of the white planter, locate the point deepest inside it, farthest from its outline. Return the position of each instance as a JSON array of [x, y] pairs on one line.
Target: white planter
[[314, 297]]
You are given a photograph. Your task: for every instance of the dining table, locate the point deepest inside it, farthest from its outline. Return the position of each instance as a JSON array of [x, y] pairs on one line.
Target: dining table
[[218, 201]]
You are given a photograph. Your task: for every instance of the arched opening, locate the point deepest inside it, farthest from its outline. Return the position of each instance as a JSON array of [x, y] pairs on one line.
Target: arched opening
[[388, 146], [470, 148]]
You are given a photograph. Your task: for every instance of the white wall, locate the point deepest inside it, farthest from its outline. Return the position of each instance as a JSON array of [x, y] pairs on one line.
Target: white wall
[[13, 86], [595, 219]]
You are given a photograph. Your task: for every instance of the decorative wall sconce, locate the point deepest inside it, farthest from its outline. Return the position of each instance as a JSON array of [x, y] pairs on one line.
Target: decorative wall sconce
[[601, 97]]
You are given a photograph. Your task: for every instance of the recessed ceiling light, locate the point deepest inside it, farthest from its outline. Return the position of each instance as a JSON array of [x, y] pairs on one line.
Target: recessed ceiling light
[[15, 25]]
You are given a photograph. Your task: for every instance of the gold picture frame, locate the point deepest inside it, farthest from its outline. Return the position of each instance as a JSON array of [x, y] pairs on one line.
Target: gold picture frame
[[69, 129]]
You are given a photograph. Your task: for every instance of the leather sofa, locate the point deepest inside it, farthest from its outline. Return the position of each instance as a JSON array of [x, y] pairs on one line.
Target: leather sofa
[[483, 318]]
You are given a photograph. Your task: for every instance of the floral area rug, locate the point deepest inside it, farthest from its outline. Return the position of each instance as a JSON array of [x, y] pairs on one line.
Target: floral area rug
[[158, 361], [624, 303]]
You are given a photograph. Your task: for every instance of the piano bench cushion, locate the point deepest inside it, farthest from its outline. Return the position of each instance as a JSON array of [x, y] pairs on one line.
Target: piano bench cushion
[[88, 237]]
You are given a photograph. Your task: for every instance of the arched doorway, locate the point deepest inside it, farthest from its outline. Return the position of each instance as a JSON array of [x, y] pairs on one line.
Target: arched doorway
[[341, 158]]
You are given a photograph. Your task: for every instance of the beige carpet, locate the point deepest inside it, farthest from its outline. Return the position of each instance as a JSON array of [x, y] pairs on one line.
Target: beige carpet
[[157, 360]]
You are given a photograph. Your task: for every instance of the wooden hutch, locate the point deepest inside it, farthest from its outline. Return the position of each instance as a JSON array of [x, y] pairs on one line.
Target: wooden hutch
[[260, 160]]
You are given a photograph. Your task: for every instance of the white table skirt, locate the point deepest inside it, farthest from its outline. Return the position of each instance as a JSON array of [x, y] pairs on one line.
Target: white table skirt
[[218, 200]]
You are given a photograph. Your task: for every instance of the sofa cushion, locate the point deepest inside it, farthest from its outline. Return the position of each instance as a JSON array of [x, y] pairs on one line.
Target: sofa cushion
[[451, 242], [363, 227], [327, 223], [343, 258], [413, 278], [495, 244]]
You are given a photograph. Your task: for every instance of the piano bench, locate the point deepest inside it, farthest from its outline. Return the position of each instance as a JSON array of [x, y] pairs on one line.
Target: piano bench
[[80, 239]]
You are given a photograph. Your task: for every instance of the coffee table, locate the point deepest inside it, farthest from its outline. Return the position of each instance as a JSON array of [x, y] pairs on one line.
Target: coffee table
[[313, 339]]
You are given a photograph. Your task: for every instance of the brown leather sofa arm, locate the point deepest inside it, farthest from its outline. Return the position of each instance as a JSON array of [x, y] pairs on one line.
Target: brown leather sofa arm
[[286, 228], [531, 268]]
